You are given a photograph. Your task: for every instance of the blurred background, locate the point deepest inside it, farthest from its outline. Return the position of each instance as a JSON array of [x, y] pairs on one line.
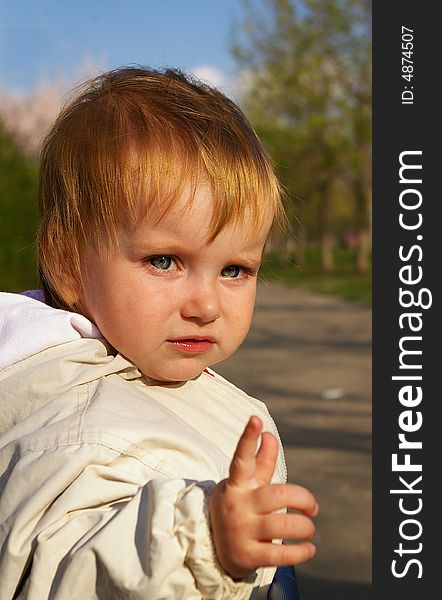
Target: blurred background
[[301, 70]]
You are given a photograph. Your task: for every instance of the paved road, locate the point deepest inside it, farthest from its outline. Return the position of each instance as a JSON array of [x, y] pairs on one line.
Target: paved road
[[308, 358]]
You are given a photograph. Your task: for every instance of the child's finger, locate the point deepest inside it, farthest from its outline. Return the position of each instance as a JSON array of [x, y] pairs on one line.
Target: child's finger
[[286, 526], [243, 465], [279, 495], [284, 555], [266, 458]]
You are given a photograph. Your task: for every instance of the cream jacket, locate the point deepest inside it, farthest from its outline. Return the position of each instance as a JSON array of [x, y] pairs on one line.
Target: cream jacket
[[105, 477]]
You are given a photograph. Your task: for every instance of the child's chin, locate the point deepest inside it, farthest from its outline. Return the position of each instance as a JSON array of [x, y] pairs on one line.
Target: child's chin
[[174, 375]]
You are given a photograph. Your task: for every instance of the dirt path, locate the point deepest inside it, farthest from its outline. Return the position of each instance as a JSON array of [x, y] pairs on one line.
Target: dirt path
[[308, 358]]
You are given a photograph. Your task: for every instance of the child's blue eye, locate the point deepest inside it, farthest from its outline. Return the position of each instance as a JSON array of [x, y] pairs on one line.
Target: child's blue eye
[[232, 271], [161, 262]]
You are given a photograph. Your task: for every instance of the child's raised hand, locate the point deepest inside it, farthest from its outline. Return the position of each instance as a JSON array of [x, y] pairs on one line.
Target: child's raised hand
[[242, 510]]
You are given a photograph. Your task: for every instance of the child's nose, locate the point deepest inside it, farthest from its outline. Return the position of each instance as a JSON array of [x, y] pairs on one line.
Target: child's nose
[[202, 301]]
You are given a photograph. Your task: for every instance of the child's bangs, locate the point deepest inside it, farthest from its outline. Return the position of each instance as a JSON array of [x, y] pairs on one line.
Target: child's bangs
[[118, 167], [155, 173], [130, 171], [137, 155], [245, 190]]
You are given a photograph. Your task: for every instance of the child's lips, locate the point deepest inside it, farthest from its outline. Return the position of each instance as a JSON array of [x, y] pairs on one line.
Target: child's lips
[[193, 344]]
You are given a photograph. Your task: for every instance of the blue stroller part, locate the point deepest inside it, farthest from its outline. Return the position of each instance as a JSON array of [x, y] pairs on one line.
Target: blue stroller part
[[284, 585]]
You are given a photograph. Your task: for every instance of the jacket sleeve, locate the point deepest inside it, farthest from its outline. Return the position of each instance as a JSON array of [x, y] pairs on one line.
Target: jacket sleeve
[[106, 536]]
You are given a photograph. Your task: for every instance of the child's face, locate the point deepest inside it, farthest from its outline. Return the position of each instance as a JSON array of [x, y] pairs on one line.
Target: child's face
[[169, 301]]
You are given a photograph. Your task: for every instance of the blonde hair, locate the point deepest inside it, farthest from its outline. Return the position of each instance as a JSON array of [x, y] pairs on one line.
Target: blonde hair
[[131, 139]]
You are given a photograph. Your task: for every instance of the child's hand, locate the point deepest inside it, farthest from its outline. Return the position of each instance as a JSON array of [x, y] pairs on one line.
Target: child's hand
[[241, 510]]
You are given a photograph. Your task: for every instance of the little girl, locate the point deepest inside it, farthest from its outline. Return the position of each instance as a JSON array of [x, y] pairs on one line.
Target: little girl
[[129, 469]]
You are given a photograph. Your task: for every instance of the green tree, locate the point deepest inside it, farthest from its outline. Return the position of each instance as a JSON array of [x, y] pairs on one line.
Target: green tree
[[309, 66], [18, 193]]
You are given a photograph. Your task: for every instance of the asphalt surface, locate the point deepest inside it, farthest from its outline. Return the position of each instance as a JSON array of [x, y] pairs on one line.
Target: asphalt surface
[[308, 357]]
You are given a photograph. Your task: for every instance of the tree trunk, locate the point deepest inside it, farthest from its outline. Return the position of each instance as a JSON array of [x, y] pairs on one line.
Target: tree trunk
[[325, 233], [301, 241], [363, 252], [362, 222], [327, 262]]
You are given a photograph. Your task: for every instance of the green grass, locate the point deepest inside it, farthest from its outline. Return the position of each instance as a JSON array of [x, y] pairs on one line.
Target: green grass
[[343, 282]]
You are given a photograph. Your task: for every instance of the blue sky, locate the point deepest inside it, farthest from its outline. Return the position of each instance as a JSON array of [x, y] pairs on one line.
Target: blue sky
[[41, 40]]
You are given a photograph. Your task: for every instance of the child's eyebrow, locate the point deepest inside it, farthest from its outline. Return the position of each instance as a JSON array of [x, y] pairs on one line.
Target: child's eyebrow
[[251, 262], [154, 247]]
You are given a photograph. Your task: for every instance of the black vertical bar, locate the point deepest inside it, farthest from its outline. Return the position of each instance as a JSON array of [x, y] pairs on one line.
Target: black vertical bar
[[406, 123]]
